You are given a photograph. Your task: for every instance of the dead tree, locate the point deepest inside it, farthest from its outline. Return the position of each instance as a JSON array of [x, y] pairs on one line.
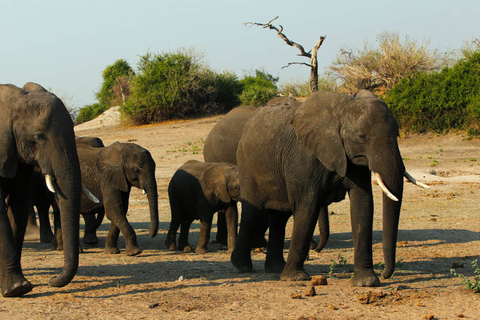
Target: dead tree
[[312, 55]]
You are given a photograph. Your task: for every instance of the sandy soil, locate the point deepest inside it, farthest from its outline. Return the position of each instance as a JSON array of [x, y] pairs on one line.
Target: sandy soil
[[439, 229]]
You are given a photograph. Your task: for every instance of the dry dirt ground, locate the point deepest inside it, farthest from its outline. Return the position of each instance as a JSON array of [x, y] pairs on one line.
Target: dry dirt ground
[[439, 229]]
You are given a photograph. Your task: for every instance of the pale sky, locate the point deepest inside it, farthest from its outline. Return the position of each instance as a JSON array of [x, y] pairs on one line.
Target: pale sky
[[65, 45]]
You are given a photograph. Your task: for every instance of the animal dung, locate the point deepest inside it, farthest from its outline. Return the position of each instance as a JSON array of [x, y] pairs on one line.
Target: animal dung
[[310, 292], [319, 281]]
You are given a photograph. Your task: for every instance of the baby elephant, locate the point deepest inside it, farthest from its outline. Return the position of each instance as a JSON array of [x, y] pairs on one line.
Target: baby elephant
[[197, 190]]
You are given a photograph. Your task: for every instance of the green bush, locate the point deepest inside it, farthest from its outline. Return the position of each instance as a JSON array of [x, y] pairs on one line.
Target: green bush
[[90, 112], [118, 74], [258, 89], [440, 101], [173, 85]]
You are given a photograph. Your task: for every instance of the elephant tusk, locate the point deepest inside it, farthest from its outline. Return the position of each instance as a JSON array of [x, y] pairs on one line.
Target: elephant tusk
[[144, 192], [384, 187], [49, 182], [414, 181], [89, 194]]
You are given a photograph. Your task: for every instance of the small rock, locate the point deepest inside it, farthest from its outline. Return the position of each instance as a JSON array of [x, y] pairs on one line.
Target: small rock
[[460, 315], [319, 281], [310, 292], [331, 307], [296, 295], [429, 317]]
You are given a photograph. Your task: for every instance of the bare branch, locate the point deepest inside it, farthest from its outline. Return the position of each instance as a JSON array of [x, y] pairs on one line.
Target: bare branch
[[299, 63], [282, 36]]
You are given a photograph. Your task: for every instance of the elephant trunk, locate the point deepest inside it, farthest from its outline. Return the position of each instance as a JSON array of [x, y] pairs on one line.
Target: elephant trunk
[[393, 180], [152, 195], [66, 173]]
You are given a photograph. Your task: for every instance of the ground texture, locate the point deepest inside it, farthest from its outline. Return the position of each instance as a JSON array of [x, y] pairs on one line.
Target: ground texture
[[439, 230]]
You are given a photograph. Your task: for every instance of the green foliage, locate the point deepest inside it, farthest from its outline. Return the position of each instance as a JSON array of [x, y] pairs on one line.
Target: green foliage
[[90, 112], [258, 89], [449, 99], [171, 85], [470, 284], [342, 262], [118, 74]]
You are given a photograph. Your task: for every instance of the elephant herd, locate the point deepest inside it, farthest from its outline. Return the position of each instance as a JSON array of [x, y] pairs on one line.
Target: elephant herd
[[280, 160]]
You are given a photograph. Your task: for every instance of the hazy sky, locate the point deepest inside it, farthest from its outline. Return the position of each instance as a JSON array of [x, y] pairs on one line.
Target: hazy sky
[[65, 45]]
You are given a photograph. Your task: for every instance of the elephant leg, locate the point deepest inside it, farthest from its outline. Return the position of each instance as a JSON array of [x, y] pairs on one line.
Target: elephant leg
[[231, 214], [171, 240], [205, 227], [116, 206], [111, 243], [304, 222], [183, 244], [13, 283], [32, 227], [90, 236], [222, 228], [323, 228], [241, 255], [46, 234], [275, 262], [261, 228], [361, 211]]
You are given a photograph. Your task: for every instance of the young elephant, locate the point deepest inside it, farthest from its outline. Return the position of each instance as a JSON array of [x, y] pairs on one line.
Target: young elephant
[[197, 190]]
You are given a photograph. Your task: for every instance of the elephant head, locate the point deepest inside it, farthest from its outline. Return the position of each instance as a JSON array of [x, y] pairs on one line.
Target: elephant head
[[36, 129], [128, 164], [222, 181], [346, 131]]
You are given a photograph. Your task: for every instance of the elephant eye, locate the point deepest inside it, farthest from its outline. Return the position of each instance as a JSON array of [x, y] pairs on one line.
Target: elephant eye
[[362, 137], [40, 137]]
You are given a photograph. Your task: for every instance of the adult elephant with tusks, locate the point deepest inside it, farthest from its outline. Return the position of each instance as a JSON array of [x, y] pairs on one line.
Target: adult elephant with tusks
[[35, 130], [294, 160]]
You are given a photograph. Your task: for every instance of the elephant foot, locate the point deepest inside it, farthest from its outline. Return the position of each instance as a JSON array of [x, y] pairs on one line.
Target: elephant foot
[[201, 250], [294, 275], [170, 243], [242, 260], [221, 237], [15, 287], [133, 251], [185, 248], [90, 239], [46, 238], [274, 265], [111, 250], [365, 278]]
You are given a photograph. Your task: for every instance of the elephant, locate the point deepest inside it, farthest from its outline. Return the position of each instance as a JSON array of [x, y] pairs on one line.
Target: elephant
[[43, 199], [294, 160], [109, 173], [221, 146], [35, 131], [196, 191]]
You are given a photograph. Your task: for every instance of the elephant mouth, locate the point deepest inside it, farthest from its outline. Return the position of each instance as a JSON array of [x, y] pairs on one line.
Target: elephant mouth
[[360, 160]]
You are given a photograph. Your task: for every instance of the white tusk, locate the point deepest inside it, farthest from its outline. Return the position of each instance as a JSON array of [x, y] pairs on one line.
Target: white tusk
[[49, 182], [414, 181], [144, 192], [89, 194], [383, 187]]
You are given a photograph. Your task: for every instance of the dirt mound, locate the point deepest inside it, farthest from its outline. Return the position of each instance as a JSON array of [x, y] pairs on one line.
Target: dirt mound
[[110, 118]]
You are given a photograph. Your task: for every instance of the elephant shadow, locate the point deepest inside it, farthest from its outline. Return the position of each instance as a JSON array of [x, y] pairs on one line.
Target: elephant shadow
[[408, 238]]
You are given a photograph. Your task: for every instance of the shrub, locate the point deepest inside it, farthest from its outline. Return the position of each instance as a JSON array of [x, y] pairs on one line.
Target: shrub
[[115, 88], [258, 89], [90, 112], [439, 101], [302, 89], [175, 85], [382, 68]]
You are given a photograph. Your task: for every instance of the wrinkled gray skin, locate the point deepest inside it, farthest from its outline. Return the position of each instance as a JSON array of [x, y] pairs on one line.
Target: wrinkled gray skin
[[109, 173], [35, 131], [196, 191], [221, 146], [43, 199], [295, 160]]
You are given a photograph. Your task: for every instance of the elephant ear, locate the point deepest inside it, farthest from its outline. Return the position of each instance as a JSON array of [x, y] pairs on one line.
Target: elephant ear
[[317, 126], [32, 86], [110, 164], [9, 94], [215, 181]]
